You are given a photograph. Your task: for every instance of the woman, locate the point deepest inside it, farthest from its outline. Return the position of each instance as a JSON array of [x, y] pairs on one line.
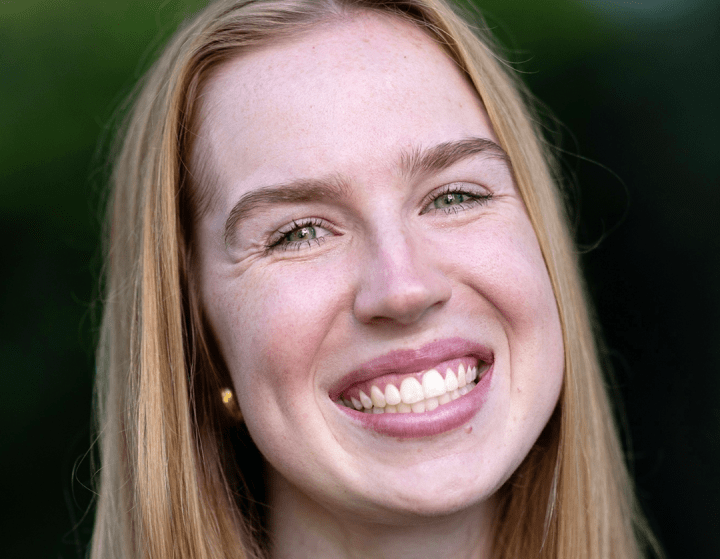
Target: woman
[[336, 239]]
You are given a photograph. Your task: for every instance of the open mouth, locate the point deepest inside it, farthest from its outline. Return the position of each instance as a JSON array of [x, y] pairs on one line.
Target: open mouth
[[415, 392]]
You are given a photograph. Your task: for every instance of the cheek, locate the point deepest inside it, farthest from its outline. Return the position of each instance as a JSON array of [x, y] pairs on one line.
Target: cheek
[[506, 267], [271, 325], [508, 270], [534, 334], [517, 285]]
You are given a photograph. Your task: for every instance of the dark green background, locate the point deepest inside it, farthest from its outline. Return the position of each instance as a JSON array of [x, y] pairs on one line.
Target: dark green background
[[635, 87]]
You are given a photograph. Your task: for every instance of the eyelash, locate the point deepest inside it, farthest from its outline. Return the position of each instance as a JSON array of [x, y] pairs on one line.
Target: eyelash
[[277, 240]]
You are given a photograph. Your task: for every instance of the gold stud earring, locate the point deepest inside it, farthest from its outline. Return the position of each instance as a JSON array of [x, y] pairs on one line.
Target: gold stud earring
[[231, 405]]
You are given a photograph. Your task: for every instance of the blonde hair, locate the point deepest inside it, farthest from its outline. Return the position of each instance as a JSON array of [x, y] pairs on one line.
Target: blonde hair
[[170, 485]]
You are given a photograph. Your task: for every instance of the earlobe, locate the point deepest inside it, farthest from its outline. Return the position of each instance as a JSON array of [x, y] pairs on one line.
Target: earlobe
[[230, 403]]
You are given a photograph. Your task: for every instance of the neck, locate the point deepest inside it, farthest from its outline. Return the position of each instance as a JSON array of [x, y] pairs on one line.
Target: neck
[[301, 528]]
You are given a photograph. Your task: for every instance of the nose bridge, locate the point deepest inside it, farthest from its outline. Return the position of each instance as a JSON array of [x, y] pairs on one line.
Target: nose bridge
[[399, 280]]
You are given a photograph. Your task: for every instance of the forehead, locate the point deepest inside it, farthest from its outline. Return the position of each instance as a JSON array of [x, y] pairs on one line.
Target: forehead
[[349, 96]]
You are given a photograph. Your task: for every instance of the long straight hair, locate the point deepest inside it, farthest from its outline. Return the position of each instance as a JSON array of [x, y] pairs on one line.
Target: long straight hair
[[178, 479]]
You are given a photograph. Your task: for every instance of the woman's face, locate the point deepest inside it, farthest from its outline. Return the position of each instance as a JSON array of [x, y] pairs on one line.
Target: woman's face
[[364, 231]]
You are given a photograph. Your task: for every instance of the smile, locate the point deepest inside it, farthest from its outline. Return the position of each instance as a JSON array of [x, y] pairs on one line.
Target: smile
[[416, 392]]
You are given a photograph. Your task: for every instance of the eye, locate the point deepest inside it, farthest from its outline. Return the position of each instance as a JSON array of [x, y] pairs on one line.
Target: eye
[[299, 234], [454, 198], [450, 199]]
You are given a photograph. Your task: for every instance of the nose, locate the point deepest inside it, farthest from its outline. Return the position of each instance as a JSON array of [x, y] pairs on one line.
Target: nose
[[399, 281]]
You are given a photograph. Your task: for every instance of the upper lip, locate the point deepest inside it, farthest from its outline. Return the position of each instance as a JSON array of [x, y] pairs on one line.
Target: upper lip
[[404, 361]]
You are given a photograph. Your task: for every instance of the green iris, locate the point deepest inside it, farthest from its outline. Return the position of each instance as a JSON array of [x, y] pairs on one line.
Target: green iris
[[449, 199], [306, 233]]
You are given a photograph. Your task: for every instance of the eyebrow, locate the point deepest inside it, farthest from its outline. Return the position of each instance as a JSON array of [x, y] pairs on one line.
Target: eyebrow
[[293, 192], [414, 162], [437, 158]]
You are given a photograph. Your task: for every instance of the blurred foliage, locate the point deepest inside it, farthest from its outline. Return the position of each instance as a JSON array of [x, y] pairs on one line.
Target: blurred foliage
[[635, 86]]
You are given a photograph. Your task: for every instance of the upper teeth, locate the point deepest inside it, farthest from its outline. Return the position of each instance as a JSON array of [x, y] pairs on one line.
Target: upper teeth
[[414, 396]]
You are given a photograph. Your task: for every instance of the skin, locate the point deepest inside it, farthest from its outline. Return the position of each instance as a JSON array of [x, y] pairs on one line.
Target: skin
[[392, 271]]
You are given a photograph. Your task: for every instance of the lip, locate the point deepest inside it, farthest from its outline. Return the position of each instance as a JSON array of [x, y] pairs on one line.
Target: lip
[[442, 419], [406, 361]]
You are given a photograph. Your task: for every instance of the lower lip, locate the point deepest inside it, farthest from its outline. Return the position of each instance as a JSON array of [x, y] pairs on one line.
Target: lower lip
[[442, 419]]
